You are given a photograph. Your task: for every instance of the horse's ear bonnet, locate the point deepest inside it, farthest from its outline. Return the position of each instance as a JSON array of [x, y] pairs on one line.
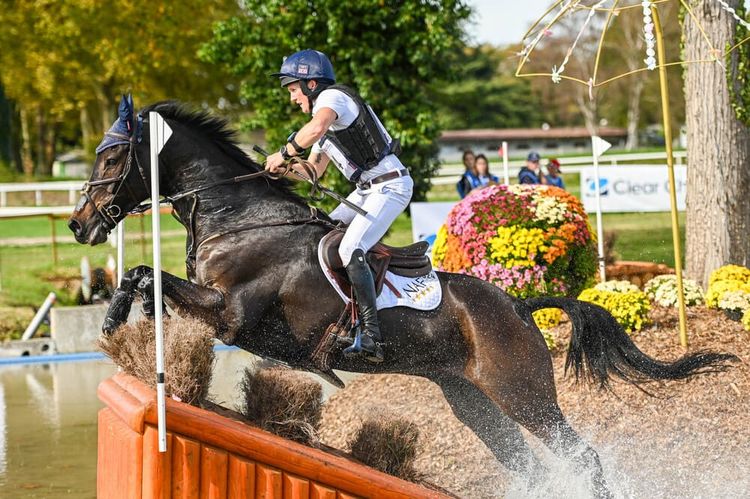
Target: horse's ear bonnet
[[126, 127]]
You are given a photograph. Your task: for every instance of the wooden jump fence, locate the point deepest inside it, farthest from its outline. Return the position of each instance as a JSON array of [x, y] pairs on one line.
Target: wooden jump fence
[[211, 456]]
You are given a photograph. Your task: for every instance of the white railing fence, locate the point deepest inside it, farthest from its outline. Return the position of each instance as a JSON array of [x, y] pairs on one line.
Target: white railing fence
[[448, 174], [72, 187]]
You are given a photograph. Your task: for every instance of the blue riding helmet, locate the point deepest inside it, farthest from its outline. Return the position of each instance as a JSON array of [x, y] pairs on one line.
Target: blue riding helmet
[[306, 65]]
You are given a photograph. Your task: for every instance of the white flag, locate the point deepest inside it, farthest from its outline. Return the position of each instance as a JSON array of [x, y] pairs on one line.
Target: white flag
[[600, 145], [163, 132]]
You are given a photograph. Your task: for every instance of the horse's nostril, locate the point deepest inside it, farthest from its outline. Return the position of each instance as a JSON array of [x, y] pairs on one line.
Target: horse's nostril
[[74, 226]]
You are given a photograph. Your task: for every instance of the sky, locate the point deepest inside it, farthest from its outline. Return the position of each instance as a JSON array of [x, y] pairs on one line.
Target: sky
[[501, 22]]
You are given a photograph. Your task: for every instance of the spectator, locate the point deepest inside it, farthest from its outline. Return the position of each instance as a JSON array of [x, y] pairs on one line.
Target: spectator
[[532, 172], [469, 179], [482, 166], [553, 174]]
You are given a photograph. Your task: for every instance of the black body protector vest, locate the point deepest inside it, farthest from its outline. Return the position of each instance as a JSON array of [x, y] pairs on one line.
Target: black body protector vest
[[362, 142]]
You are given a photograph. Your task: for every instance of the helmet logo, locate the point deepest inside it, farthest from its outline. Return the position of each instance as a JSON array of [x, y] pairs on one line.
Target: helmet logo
[[302, 69]]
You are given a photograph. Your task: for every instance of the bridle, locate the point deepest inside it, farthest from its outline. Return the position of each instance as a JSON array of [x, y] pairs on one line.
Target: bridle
[[110, 212]]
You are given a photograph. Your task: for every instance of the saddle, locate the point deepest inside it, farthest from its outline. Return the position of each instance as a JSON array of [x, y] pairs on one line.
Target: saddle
[[409, 261]]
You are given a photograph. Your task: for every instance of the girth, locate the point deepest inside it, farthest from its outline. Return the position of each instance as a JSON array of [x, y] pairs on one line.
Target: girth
[[409, 261]]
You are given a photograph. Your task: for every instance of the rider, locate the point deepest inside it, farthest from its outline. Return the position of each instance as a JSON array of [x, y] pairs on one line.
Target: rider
[[345, 129]]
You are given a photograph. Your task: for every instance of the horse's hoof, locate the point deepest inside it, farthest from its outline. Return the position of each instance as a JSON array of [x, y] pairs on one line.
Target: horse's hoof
[[110, 326]]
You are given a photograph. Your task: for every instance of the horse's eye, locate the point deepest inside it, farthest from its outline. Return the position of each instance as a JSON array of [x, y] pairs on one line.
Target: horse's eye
[[110, 162]]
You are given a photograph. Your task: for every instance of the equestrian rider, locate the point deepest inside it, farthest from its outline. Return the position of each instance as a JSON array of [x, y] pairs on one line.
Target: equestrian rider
[[345, 129]]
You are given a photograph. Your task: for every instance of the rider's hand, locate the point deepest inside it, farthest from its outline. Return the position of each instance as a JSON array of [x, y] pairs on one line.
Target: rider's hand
[[275, 163]]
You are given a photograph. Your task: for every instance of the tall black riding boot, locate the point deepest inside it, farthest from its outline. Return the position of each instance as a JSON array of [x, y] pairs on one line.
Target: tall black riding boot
[[364, 290]]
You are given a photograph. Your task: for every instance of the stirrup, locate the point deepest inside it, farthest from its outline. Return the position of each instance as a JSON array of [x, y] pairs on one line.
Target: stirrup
[[374, 355]]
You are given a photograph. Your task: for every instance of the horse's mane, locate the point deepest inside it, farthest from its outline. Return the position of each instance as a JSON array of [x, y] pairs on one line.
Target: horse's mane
[[218, 131]]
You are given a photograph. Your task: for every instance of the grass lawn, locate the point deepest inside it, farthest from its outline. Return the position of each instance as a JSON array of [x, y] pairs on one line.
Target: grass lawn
[[28, 273]]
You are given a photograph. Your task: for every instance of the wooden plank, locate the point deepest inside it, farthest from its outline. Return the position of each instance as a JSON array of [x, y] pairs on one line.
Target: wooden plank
[[241, 478], [214, 472], [318, 491], [119, 464], [214, 430], [342, 495], [186, 468], [157, 466], [123, 402], [267, 482], [294, 487]]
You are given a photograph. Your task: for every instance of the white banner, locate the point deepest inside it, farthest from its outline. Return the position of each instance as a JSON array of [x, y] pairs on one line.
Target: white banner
[[632, 188], [426, 219]]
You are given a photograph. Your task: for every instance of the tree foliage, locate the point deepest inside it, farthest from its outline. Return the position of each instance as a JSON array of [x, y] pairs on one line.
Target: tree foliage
[[486, 94], [66, 61], [391, 51]]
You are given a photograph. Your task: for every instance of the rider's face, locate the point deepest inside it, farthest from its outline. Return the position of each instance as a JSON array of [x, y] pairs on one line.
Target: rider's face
[[299, 98]]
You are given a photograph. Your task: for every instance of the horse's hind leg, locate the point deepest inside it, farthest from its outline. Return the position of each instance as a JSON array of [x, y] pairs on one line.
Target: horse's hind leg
[[498, 432], [553, 429]]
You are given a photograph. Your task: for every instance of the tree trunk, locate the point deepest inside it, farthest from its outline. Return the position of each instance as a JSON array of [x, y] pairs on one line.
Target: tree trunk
[[42, 132], [718, 208], [634, 113], [588, 108], [26, 158], [87, 132]]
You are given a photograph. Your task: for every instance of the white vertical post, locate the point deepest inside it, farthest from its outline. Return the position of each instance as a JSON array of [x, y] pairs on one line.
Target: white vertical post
[[159, 134], [505, 162], [598, 147], [120, 251]]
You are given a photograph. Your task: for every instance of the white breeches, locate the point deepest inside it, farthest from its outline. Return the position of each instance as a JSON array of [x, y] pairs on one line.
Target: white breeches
[[383, 203]]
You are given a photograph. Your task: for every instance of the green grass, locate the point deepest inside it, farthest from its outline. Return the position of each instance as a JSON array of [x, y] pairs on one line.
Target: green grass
[[28, 273]]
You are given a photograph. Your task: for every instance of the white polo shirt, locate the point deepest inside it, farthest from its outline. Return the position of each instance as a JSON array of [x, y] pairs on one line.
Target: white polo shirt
[[346, 112]]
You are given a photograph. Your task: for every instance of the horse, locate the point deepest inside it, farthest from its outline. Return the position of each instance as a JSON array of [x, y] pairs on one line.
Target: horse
[[253, 274]]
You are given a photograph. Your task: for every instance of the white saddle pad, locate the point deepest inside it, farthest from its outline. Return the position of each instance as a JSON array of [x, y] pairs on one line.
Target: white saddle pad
[[421, 293]]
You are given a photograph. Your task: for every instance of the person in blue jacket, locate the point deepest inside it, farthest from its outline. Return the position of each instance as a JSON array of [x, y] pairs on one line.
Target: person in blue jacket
[[469, 178], [532, 172], [482, 166], [553, 174]]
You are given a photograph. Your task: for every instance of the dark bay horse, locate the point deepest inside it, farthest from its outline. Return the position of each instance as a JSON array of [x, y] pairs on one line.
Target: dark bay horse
[[254, 276]]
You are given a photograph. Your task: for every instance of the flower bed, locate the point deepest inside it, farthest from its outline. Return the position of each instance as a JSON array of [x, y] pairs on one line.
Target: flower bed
[[729, 290], [663, 290], [627, 304], [527, 240]]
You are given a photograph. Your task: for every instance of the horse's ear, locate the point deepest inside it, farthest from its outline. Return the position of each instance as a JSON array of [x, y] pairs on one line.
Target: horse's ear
[[126, 112]]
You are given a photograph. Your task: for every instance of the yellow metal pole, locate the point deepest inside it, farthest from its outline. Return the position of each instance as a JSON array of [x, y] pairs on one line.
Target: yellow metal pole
[[670, 169]]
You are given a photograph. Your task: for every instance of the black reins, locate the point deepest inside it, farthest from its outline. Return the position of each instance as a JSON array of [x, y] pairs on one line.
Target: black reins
[[111, 211]]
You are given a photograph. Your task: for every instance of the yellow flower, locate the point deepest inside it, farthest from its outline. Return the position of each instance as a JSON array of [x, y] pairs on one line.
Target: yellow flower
[[630, 309], [730, 273]]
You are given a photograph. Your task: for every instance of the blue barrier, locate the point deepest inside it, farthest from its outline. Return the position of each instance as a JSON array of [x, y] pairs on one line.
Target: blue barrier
[[75, 357]]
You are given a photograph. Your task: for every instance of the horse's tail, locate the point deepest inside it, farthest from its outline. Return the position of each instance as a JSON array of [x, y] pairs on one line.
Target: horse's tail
[[599, 346]]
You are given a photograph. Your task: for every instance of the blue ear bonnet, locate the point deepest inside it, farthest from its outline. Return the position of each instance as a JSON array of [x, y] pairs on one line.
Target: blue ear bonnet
[[126, 128]]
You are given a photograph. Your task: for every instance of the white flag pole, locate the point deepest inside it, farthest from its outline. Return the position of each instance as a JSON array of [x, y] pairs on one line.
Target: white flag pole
[[599, 146], [505, 162], [159, 134]]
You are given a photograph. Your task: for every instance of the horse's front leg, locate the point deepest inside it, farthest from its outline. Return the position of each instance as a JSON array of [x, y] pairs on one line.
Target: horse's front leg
[[185, 297]]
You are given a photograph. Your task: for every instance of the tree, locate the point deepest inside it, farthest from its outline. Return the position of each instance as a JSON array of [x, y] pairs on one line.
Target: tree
[[486, 94], [391, 51], [718, 209], [68, 60]]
